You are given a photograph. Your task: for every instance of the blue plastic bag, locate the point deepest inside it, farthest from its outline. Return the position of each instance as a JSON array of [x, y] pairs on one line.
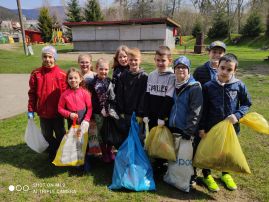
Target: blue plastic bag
[[132, 168]]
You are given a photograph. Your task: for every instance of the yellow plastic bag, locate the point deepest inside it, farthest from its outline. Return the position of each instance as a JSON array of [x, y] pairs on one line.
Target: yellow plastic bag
[[256, 122], [220, 150], [160, 144], [147, 141], [72, 149]]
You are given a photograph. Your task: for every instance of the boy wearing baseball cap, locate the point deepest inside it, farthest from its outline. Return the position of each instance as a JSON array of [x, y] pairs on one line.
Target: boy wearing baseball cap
[[188, 101], [47, 83], [208, 71]]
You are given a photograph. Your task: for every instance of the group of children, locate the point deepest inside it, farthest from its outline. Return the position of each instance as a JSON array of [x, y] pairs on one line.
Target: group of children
[[168, 96]]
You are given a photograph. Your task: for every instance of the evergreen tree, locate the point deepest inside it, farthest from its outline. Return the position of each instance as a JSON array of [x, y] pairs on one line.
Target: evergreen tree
[[197, 29], [219, 28], [253, 26], [73, 11], [92, 11], [45, 24]]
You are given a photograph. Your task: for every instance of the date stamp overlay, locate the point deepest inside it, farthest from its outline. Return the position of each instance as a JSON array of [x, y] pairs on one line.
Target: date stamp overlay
[[42, 188]]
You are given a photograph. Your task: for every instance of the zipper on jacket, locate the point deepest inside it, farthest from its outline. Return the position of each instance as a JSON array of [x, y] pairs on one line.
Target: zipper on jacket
[[177, 96], [223, 101]]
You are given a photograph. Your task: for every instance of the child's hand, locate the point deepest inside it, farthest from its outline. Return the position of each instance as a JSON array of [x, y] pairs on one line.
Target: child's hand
[[103, 112], [160, 122], [146, 120], [202, 133], [232, 118], [84, 126], [73, 116]]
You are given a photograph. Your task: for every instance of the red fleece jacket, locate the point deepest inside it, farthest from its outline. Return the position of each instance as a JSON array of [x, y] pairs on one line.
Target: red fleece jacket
[[46, 86]]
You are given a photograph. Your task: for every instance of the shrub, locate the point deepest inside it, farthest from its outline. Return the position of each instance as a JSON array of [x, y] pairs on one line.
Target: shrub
[[197, 29], [219, 28], [253, 26]]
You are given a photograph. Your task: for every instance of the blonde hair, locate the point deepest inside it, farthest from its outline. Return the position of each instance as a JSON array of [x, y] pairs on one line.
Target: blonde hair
[[101, 62], [134, 52], [71, 70], [121, 48], [164, 50], [85, 55]]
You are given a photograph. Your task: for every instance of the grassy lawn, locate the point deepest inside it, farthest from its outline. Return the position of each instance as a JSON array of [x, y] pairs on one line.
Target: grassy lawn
[[21, 166]]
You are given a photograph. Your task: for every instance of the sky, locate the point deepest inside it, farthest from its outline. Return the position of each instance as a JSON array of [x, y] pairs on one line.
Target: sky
[[29, 4]]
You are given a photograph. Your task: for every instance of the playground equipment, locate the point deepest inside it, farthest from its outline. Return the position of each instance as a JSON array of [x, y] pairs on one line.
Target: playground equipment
[[3, 39], [57, 37]]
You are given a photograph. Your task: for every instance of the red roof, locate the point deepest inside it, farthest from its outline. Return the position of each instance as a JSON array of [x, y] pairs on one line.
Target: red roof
[[32, 31], [144, 21]]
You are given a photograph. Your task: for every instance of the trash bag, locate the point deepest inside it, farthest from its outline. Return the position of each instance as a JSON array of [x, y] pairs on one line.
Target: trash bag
[[94, 146], [132, 169], [220, 150], [34, 138], [255, 121], [113, 131], [72, 148], [160, 143], [179, 173]]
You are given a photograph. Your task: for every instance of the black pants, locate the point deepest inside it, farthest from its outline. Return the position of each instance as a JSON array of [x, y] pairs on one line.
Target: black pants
[[50, 126]]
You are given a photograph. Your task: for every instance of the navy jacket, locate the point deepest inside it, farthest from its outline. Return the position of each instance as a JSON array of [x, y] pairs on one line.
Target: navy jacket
[[222, 101], [204, 73], [187, 109]]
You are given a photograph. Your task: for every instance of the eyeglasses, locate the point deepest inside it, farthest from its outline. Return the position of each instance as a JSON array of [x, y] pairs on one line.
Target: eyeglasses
[[178, 67]]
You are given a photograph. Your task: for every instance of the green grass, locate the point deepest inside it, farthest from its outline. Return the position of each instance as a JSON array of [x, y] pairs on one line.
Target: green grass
[[21, 166], [14, 61]]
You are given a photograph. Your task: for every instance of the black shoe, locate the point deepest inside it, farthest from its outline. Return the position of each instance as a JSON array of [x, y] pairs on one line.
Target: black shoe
[[193, 181], [87, 166]]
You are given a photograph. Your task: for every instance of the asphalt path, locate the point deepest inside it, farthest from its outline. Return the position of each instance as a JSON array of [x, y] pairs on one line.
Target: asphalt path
[[13, 94]]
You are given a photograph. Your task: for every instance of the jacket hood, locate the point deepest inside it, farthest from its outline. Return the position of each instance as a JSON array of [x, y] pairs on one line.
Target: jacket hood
[[141, 70], [169, 70], [232, 80]]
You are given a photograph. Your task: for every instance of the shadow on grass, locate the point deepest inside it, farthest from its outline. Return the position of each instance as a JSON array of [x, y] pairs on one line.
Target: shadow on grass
[[21, 156], [102, 176]]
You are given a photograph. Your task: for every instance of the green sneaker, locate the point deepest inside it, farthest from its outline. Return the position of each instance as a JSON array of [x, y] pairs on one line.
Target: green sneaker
[[228, 181], [210, 183]]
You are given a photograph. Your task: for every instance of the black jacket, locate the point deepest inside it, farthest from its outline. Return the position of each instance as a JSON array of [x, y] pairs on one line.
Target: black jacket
[[117, 71], [131, 91], [202, 74]]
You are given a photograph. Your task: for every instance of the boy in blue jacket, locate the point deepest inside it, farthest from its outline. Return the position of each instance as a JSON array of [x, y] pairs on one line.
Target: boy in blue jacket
[[188, 101], [226, 97]]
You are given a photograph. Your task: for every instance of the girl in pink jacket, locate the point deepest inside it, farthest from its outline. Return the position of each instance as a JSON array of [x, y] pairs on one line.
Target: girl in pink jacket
[[75, 102]]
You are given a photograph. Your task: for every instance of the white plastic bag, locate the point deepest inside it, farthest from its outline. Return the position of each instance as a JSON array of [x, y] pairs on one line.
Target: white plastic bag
[[34, 138], [72, 149], [179, 172]]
